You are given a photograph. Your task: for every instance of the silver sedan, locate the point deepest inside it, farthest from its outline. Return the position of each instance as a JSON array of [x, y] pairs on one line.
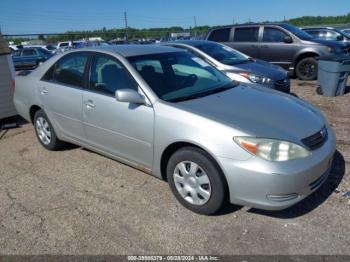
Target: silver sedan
[[173, 115]]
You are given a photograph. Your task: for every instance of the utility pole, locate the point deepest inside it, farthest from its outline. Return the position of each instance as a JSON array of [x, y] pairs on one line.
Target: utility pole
[[126, 26], [233, 21], [195, 25]]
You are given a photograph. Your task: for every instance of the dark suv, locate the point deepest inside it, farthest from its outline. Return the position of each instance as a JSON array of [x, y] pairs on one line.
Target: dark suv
[[278, 43]]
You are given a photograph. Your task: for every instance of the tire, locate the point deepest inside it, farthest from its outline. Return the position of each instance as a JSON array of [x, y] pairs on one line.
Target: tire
[[306, 69], [195, 186], [45, 133], [319, 90]]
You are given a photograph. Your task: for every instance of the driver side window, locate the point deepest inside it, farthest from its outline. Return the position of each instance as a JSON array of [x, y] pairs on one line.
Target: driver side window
[[273, 35], [108, 75]]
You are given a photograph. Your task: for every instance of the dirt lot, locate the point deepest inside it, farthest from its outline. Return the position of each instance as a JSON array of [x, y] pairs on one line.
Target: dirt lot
[[78, 202]]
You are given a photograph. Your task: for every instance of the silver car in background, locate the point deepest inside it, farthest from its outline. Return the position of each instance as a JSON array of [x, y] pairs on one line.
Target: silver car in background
[[170, 113], [237, 65]]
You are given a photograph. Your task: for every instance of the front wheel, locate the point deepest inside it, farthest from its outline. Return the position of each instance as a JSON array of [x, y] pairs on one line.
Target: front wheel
[[306, 69], [196, 181]]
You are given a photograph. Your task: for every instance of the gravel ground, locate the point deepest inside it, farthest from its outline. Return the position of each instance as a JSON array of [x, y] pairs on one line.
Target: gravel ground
[[78, 202]]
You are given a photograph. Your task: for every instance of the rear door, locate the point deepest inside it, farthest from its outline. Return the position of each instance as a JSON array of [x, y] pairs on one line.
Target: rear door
[[246, 40], [122, 129], [274, 49], [61, 93]]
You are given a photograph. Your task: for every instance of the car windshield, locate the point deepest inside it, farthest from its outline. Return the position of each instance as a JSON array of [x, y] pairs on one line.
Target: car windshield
[[180, 76], [42, 51], [297, 32], [223, 54], [51, 47], [342, 33]]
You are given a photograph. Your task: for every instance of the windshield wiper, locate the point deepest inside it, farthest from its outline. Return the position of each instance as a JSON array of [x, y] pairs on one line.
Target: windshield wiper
[[206, 93]]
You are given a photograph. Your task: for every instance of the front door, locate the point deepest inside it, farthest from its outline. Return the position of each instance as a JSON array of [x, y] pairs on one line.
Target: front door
[[274, 49], [122, 129]]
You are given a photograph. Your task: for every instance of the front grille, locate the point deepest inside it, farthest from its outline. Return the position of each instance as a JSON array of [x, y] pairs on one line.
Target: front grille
[[283, 85], [316, 140]]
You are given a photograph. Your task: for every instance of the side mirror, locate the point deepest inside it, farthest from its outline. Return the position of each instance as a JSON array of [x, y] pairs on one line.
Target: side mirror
[[287, 39], [340, 38], [129, 96]]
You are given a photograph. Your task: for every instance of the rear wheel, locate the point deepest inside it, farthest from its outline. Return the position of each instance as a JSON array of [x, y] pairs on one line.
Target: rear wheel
[[196, 181], [45, 132], [306, 69]]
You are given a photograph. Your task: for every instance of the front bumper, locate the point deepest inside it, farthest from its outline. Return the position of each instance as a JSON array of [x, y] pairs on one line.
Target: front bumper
[[282, 85], [278, 185]]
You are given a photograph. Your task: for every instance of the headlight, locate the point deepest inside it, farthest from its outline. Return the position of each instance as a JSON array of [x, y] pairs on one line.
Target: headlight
[[258, 79], [272, 149]]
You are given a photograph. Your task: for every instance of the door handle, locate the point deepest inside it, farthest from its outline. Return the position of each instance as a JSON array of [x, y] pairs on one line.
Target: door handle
[[254, 46], [44, 91], [265, 46], [89, 104]]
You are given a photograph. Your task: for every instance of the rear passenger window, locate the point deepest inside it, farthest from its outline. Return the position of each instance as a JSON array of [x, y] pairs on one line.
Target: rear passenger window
[[246, 34], [220, 35], [273, 35], [70, 69], [108, 75]]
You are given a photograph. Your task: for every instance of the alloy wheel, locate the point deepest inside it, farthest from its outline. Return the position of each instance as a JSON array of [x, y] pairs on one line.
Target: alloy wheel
[[308, 69], [43, 130]]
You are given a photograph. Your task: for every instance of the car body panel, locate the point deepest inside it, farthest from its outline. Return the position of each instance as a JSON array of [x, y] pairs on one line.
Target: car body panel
[[119, 128], [63, 104]]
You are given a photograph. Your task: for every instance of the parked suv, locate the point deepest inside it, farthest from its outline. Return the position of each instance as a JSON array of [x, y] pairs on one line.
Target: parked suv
[[328, 33], [30, 58], [278, 43]]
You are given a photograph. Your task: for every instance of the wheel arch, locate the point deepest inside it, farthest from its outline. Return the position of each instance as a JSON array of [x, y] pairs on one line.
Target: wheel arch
[[175, 146], [33, 109], [304, 55]]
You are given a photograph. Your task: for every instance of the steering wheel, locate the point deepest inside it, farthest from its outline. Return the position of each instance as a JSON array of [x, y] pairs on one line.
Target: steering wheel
[[189, 80]]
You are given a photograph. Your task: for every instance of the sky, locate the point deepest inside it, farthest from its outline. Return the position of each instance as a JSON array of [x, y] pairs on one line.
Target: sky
[[31, 16]]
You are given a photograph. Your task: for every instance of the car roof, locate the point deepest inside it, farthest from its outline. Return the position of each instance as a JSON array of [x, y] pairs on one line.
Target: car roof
[[249, 24], [133, 50], [318, 27], [29, 48], [190, 42]]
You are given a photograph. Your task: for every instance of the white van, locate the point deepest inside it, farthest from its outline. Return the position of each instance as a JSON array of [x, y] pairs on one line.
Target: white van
[[7, 81]]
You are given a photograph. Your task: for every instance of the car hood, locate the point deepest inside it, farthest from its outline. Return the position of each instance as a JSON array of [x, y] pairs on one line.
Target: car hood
[[261, 67], [260, 112]]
